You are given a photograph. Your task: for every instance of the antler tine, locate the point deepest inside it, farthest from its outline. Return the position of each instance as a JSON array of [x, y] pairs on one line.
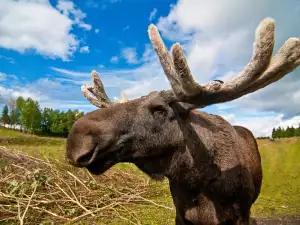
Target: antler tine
[[287, 60], [261, 57], [99, 88], [101, 100], [124, 97], [185, 77], [165, 60]]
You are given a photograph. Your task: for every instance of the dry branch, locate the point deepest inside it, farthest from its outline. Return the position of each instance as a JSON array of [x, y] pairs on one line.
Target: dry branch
[[33, 190]]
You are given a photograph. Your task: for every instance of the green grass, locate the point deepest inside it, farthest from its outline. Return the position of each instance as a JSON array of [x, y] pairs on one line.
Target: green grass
[[280, 194]]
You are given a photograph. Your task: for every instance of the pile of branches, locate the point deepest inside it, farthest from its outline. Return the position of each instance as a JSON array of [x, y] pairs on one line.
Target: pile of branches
[[35, 191]]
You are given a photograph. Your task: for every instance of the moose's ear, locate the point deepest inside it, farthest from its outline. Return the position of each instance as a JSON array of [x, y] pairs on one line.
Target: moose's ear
[[159, 109]]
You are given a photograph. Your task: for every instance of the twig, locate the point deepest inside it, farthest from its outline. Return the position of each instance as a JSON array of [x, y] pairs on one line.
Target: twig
[[88, 172], [29, 202], [76, 178], [19, 213], [154, 203], [51, 213], [20, 167], [95, 211], [7, 218]]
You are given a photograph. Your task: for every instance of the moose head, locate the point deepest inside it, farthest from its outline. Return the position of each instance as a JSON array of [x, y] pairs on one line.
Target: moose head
[[214, 168]]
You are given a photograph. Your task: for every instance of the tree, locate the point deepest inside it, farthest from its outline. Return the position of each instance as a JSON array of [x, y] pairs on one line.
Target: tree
[[297, 131], [13, 117], [31, 116], [5, 117], [274, 133], [78, 114], [19, 106], [280, 132], [46, 120], [20, 102], [288, 132], [71, 117]]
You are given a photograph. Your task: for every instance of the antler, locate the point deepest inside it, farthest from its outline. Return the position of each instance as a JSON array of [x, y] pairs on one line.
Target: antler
[[124, 98], [96, 94], [261, 71]]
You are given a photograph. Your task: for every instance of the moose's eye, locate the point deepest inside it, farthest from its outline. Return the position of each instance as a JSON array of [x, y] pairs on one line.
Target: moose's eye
[[158, 109]]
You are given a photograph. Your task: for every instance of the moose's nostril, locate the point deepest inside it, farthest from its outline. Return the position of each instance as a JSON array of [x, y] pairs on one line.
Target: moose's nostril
[[85, 159]]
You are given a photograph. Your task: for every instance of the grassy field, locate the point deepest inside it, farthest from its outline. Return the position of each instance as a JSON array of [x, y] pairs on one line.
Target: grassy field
[[42, 187]]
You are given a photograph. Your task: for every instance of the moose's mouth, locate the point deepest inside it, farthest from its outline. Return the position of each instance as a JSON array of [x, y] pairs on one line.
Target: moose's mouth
[[101, 160], [102, 163]]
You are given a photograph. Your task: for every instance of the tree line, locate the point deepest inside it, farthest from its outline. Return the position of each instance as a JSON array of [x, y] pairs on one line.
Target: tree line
[[288, 132], [27, 115]]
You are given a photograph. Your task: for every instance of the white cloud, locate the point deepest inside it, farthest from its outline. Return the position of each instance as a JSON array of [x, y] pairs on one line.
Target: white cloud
[[70, 73], [135, 82], [114, 59], [92, 4], [68, 8], [152, 14], [212, 17], [49, 92], [105, 3], [4, 76], [130, 55], [25, 25], [15, 92], [262, 125], [9, 59], [96, 30], [282, 97], [84, 49], [148, 53]]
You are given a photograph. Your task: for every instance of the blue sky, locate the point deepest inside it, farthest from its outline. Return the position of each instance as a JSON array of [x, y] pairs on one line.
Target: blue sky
[[49, 48]]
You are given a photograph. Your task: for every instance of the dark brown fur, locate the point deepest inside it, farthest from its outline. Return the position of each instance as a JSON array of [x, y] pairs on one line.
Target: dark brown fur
[[214, 168]]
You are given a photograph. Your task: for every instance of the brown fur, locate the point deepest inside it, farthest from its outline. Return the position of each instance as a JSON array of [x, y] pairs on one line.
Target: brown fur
[[214, 168]]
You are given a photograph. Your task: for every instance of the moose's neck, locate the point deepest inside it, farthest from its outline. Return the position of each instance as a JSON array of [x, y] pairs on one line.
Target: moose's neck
[[159, 166], [182, 166], [189, 160]]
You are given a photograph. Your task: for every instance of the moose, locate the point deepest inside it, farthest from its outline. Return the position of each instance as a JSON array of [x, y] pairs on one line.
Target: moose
[[214, 168]]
